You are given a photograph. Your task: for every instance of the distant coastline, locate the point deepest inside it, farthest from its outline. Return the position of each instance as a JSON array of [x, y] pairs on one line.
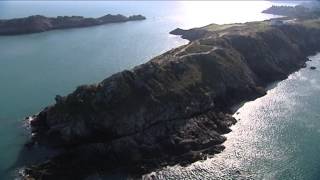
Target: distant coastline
[[298, 11], [39, 23], [173, 109]]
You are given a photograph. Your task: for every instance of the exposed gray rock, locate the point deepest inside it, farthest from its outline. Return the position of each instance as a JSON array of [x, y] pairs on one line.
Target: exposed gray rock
[[173, 109]]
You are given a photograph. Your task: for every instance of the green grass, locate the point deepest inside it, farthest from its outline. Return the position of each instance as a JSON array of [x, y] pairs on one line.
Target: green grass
[[217, 27]]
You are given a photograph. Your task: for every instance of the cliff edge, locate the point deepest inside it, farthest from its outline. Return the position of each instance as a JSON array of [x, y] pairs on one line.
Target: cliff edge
[[173, 109]]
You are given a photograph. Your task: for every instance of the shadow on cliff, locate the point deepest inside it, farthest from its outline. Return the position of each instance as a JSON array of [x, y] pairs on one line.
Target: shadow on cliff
[[30, 156]]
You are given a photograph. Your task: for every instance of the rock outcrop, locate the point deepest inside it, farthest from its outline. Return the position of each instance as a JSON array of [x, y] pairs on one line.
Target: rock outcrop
[[173, 109], [38, 23], [313, 68], [191, 34]]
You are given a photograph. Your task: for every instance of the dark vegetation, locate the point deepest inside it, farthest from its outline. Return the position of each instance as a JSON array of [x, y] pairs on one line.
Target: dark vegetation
[[36, 24], [173, 109]]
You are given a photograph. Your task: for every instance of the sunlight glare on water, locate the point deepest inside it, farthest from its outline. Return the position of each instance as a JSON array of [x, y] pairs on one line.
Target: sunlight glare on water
[[222, 12], [36, 67], [276, 136]]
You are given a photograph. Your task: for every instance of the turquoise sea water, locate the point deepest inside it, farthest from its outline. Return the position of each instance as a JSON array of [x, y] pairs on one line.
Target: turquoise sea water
[[36, 67]]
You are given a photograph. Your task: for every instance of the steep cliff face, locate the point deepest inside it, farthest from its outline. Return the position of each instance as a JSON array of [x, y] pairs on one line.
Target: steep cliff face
[[173, 109]]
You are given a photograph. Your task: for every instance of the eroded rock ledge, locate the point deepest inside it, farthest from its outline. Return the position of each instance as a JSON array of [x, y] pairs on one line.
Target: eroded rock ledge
[[38, 23], [172, 109]]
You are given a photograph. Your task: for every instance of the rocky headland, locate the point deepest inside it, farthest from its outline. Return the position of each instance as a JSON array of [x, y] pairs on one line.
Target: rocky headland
[[173, 109], [38, 23]]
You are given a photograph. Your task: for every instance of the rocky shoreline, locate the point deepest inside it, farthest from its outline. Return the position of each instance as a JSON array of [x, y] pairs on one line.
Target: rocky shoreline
[[38, 23], [173, 109]]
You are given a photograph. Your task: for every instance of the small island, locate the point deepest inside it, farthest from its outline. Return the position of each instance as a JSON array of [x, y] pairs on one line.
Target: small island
[[38, 23]]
